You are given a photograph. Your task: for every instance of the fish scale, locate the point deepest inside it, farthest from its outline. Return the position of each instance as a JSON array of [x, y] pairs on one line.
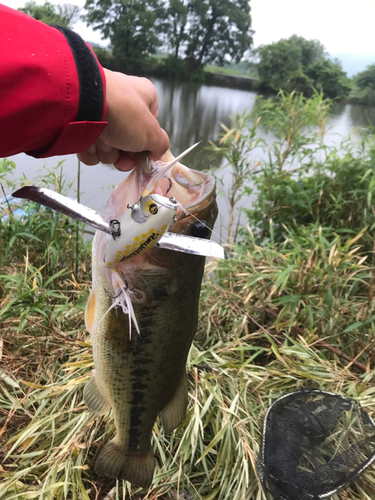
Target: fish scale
[[142, 376]]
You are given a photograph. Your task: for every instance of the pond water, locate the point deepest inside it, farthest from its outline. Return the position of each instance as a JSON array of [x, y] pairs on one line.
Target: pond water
[[189, 113]]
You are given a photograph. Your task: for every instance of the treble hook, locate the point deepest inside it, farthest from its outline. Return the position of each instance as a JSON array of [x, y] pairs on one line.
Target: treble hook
[[170, 185], [110, 296]]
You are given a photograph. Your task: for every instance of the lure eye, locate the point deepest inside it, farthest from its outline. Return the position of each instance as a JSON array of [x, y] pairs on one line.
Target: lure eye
[[151, 208], [200, 230]]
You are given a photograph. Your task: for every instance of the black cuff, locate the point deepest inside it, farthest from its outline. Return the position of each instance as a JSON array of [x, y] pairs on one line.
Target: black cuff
[[91, 92]]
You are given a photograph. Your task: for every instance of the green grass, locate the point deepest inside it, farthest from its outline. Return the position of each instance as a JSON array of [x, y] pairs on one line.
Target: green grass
[[243, 358], [228, 71]]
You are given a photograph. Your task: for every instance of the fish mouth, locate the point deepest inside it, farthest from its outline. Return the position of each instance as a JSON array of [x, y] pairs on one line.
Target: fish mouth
[[193, 190]]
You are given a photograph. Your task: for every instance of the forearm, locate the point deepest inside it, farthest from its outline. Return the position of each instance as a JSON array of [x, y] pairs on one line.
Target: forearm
[[52, 98]]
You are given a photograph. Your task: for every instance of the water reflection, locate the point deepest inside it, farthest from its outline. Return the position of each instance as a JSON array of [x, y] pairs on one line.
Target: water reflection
[[191, 113], [361, 116], [337, 109]]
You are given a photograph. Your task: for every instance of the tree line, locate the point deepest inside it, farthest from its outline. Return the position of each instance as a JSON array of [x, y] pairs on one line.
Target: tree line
[[304, 66], [198, 31], [301, 65], [193, 33]]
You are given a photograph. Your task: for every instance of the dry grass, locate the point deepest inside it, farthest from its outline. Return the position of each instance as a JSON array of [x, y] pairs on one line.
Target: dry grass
[[292, 308], [242, 360]]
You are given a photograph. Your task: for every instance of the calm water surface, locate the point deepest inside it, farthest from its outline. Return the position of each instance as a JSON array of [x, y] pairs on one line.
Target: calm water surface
[[189, 113]]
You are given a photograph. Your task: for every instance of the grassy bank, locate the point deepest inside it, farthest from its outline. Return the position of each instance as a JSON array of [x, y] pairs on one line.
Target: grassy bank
[[292, 308], [181, 69], [242, 69]]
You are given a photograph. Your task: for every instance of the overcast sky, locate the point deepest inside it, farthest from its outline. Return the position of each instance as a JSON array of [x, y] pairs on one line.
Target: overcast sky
[[343, 26]]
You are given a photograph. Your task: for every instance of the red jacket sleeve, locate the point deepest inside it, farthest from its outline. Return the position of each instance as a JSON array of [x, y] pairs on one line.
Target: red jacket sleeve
[[52, 89]]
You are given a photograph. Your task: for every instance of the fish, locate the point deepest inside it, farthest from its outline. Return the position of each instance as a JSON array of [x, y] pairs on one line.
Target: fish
[[140, 349]]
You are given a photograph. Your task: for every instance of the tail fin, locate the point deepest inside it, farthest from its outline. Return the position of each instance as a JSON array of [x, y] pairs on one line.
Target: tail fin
[[113, 461]]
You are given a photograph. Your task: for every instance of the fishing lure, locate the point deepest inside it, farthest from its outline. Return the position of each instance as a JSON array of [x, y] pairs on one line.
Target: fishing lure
[[142, 226]]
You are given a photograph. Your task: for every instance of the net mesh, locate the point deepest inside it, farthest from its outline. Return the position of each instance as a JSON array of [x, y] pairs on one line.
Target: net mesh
[[313, 444]]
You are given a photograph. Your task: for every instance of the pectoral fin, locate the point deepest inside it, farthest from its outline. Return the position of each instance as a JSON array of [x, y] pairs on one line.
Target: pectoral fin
[[175, 411], [93, 399], [89, 312]]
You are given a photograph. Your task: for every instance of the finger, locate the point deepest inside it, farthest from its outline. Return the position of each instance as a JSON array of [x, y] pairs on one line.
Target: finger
[[147, 92], [90, 156], [154, 103], [125, 162], [107, 154], [158, 141], [154, 107]]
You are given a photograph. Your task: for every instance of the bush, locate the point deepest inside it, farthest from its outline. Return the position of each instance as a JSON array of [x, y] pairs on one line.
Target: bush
[[51, 241], [179, 69], [303, 182]]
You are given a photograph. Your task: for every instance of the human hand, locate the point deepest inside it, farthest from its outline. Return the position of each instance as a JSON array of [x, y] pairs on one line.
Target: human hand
[[132, 109]]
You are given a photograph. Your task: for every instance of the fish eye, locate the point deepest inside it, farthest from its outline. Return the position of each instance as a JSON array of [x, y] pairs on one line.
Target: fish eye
[[152, 208], [200, 230]]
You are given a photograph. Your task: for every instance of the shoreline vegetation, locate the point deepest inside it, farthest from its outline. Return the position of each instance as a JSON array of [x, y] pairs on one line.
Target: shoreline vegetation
[[292, 308], [245, 76]]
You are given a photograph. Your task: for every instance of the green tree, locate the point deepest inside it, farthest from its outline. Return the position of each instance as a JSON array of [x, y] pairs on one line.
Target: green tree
[[329, 78], [220, 30], [280, 67], [366, 78], [62, 15], [133, 27], [175, 27], [365, 85], [301, 65], [311, 50]]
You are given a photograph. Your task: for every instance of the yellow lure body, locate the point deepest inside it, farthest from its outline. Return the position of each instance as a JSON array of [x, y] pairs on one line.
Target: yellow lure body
[[142, 226]]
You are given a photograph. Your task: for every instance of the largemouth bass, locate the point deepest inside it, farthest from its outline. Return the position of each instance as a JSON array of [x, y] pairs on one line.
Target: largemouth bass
[[141, 375]]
